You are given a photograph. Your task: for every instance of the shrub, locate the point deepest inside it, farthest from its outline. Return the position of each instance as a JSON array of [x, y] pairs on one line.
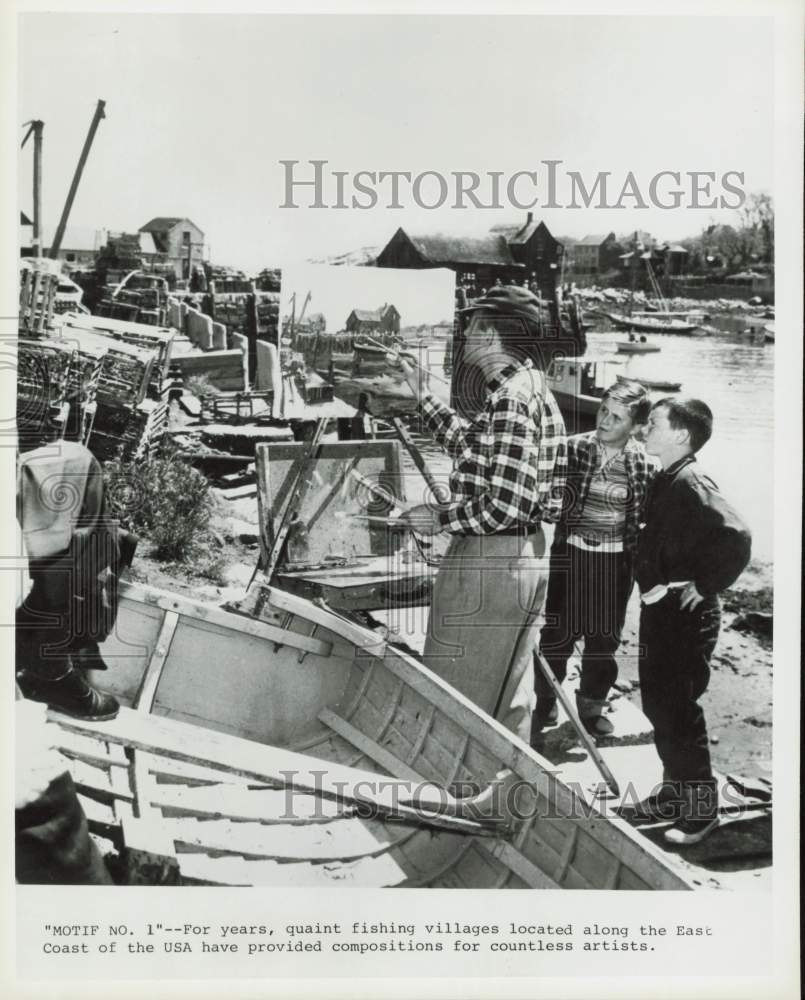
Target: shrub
[[165, 499], [201, 386]]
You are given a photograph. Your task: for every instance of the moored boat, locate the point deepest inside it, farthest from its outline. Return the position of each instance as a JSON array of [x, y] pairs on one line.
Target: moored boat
[[295, 747], [636, 347], [650, 324], [578, 385], [652, 383]]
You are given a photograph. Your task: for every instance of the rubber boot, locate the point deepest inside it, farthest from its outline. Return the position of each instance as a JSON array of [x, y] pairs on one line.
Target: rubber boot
[[88, 657], [591, 713], [68, 692]]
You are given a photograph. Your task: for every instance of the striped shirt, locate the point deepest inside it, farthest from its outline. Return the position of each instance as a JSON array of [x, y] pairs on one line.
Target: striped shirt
[[603, 515], [510, 462], [583, 451]]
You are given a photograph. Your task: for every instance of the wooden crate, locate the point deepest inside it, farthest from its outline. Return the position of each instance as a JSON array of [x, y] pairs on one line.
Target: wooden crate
[[127, 370], [39, 279], [44, 370], [125, 434], [147, 336]]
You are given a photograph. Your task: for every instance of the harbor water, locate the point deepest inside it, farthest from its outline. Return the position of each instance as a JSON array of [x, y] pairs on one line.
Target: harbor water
[[730, 373]]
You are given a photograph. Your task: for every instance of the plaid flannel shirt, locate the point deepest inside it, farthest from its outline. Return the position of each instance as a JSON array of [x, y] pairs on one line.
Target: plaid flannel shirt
[[583, 452], [510, 462]]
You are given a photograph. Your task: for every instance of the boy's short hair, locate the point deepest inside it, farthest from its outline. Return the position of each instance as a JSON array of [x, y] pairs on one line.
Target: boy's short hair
[[692, 415], [630, 393]]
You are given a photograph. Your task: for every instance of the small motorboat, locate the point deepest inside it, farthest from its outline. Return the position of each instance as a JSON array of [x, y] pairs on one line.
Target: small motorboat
[[636, 347]]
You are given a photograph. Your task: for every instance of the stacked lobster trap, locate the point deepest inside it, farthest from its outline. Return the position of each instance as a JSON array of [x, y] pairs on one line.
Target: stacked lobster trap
[[87, 379]]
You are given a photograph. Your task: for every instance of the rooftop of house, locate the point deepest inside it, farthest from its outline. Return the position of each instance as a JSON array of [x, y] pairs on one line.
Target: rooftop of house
[[164, 224], [440, 248], [595, 239], [372, 315]]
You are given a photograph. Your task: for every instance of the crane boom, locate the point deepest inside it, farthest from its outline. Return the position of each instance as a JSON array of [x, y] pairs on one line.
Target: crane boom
[[93, 128]]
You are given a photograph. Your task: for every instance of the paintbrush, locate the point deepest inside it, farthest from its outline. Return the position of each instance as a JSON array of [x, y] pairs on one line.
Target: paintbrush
[[390, 522], [394, 356]]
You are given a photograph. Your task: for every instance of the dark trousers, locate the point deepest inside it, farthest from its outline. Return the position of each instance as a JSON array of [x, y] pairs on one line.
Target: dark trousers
[[587, 597], [676, 646], [53, 846]]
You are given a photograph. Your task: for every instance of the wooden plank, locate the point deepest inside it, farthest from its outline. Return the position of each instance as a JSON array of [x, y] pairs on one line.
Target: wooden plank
[[237, 492], [191, 774], [367, 873], [94, 780], [215, 616], [97, 813], [342, 839], [365, 640], [149, 854], [239, 802], [144, 699], [86, 748], [520, 865], [387, 760], [270, 765], [567, 853]]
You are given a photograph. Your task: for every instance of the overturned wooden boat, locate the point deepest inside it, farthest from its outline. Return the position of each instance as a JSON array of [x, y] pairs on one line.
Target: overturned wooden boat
[[297, 747]]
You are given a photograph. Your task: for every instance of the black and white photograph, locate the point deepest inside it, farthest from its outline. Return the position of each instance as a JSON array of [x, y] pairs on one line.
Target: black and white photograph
[[406, 491]]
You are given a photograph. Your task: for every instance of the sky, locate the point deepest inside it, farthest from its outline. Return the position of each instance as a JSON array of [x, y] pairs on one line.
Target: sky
[[201, 109], [419, 296]]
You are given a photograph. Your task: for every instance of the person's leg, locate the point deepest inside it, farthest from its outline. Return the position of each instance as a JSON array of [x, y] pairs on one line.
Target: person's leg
[[517, 695], [44, 625], [676, 646], [656, 665], [607, 583], [682, 734], [560, 630], [484, 621], [688, 747]]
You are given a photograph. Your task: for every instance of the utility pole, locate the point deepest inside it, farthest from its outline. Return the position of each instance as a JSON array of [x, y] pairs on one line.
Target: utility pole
[[93, 128], [36, 127]]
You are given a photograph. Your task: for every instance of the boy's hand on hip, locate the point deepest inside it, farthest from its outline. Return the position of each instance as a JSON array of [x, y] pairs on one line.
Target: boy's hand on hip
[[690, 597]]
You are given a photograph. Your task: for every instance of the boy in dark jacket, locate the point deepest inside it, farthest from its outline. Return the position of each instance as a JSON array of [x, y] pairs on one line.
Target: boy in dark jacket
[[693, 545]]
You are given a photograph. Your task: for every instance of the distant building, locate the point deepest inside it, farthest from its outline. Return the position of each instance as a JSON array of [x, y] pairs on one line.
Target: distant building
[[507, 254], [79, 245], [594, 255], [386, 319], [676, 259], [180, 239]]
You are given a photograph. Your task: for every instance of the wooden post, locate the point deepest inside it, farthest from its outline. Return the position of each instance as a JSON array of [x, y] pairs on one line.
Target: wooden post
[[252, 330], [93, 128], [210, 299], [37, 239]]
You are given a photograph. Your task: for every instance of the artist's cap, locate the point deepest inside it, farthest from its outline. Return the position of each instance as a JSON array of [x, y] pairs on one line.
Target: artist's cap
[[507, 300]]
